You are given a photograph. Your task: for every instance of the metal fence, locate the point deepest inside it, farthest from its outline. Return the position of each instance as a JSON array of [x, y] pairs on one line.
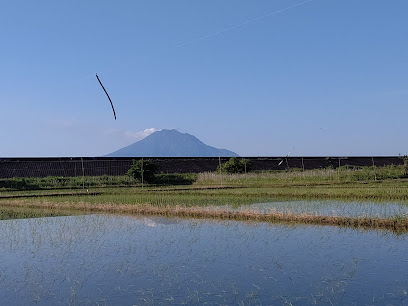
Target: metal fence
[[95, 166]]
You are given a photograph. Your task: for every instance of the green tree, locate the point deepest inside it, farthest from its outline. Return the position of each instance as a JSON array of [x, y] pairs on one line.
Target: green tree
[[143, 170], [235, 165]]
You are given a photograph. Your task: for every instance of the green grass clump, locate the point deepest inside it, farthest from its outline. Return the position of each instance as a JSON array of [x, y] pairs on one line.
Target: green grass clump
[[56, 182]]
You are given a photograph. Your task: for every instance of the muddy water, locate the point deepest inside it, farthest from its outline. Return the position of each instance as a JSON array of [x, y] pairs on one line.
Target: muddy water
[[98, 259]]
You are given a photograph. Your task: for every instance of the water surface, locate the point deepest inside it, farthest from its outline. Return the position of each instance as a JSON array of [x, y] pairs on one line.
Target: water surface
[[382, 209], [99, 259]]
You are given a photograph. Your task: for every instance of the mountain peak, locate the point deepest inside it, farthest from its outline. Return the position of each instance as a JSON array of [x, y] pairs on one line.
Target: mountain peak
[[170, 143]]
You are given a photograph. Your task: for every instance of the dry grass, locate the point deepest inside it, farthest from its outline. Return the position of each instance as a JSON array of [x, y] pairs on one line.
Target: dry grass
[[343, 175]]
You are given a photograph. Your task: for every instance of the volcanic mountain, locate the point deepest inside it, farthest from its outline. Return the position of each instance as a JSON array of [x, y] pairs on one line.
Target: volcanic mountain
[[170, 143]]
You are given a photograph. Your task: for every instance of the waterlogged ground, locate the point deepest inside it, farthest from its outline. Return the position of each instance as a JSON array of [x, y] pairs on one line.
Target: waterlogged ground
[[381, 209], [99, 259]]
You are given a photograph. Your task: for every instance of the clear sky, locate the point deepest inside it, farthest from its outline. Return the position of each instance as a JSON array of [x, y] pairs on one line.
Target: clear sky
[[259, 77]]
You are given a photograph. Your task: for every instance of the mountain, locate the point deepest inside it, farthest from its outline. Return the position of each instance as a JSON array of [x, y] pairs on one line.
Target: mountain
[[170, 143]]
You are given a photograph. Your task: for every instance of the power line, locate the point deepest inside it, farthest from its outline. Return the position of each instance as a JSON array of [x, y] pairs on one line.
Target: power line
[[242, 24], [227, 29]]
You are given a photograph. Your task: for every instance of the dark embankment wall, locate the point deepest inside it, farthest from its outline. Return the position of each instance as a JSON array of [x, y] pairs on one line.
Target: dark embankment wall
[[93, 166]]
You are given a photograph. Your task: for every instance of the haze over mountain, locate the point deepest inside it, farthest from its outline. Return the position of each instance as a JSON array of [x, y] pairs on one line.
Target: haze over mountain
[[170, 143]]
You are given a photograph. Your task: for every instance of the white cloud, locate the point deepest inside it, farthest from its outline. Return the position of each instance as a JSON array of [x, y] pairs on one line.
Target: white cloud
[[135, 136], [128, 135]]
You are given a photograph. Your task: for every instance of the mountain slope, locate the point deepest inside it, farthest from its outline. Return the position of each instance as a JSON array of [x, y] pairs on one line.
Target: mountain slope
[[170, 143]]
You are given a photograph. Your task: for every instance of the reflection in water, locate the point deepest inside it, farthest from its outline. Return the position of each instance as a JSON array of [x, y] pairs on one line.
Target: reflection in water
[[100, 259]]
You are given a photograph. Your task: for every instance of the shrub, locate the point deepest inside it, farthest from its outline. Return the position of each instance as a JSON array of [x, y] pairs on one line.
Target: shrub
[[143, 169], [14, 183], [175, 178], [235, 165]]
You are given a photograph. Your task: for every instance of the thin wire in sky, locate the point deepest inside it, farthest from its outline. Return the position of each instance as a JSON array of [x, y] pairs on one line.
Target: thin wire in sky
[[239, 25], [242, 24]]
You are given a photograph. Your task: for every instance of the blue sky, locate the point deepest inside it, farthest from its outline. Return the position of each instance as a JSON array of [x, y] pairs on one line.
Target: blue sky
[[327, 77]]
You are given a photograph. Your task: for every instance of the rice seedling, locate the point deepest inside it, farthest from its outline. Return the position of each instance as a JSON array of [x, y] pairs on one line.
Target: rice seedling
[[12, 212], [398, 223]]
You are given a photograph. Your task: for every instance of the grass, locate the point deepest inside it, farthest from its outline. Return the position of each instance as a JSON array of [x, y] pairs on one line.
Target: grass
[[54, 182], [200, 193], [21, 212], [329, 176]]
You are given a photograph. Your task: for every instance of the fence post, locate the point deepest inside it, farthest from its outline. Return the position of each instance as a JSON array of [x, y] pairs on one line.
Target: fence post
[[83, 173], [142, 172], [219, 162], [338, 170], [375, 172]]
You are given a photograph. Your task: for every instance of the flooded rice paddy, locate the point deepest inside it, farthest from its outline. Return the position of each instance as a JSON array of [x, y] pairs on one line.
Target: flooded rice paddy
[[128, 260], [379, 209]]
